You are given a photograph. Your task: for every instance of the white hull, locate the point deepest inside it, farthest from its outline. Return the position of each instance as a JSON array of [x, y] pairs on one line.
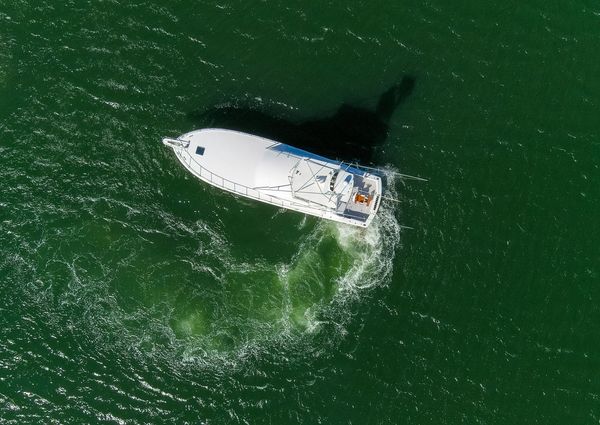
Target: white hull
[[281, 175]]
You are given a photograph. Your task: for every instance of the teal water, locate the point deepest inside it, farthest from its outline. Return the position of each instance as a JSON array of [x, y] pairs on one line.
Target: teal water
[[132, 293]]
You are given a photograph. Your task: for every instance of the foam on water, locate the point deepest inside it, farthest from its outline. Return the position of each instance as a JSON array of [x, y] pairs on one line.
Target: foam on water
[[210, 308], [6, 45], [313, 288]]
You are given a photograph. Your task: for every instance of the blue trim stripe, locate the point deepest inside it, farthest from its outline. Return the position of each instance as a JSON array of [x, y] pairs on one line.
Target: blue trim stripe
[[290, 150]]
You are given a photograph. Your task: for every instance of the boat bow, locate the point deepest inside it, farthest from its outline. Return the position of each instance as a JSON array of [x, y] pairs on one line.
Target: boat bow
[[175, 143]]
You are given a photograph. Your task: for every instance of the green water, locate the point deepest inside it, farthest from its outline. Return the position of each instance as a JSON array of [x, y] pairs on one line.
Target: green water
[[132, 293]]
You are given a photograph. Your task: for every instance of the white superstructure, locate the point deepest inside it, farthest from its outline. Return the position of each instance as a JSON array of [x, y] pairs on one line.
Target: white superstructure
[[280, 174]]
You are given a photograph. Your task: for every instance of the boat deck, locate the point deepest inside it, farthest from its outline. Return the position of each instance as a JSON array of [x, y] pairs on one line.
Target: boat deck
[[361, 198]]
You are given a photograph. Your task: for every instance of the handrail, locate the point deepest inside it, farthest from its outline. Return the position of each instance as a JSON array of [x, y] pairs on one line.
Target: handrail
[[233, 186]]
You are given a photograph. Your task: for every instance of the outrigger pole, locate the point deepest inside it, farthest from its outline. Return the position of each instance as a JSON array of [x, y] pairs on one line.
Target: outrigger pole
[[391, 199], [406, 176], [402, 176]]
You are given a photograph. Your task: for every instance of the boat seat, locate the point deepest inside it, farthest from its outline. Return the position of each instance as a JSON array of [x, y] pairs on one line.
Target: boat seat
[[362, 199]]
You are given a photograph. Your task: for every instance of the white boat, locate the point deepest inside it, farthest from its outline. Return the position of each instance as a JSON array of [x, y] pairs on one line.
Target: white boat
[[281, 175]]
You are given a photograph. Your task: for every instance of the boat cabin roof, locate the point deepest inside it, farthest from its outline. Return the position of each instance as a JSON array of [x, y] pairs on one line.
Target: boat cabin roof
[[263, 164]]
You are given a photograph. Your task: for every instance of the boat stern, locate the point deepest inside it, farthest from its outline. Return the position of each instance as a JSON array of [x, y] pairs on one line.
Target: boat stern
[[364, 200]]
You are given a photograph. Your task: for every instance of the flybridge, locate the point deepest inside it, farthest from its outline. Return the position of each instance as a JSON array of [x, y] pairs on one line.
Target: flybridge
[[316, 182], [281, 175]]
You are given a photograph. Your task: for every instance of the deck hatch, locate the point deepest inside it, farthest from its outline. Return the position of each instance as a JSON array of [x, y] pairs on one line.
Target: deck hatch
[[199, 150]]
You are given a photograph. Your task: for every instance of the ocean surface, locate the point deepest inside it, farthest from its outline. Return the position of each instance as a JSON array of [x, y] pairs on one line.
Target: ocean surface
[[132, 293]]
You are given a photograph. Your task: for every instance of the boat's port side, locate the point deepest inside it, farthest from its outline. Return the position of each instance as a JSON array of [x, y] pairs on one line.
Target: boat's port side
[[377, 199]]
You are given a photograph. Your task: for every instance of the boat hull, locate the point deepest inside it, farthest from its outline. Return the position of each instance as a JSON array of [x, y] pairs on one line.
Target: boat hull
[[259, 169]]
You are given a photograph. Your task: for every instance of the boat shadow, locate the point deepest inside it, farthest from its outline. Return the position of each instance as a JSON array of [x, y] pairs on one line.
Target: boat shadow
[[351, 134]]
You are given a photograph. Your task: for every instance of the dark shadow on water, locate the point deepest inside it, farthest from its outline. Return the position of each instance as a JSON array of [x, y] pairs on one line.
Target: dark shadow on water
[[351, 134]]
